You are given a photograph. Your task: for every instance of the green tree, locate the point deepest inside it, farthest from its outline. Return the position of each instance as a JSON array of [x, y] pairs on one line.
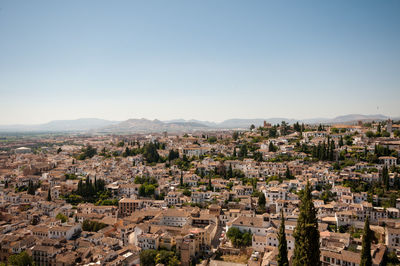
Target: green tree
[[212, 139], [247, 238], [306, 234], [181, 179], [391, 259], [369, 134], [341, 141], [272, 132], [366, 259], [21, 259], [282, 247], [297, 127], [187, 192], [148, 257], [258, 156], [238, 238], [385, 177], [127, 152], [49, 195], [221, 170], [234, 236], [288, 174], [62, 217], [31, 188], [284, 128], [163, 257], [146, 190], [235, 135], [150, 153], [173, 155], [243, 151], [92, 226], [209, 187], [230, 171], [87, 152], [261, 202], [271, 147], [332, 150], [174, 261]]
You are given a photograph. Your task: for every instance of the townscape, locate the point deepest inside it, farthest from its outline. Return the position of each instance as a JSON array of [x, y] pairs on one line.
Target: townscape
[[270, 194]]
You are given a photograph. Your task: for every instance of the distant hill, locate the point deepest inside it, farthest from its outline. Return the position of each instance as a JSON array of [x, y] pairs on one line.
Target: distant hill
[[178, 125], [358, 117], [246, 123], [76, 125], [82, 124], [146, 125], [206, 123]]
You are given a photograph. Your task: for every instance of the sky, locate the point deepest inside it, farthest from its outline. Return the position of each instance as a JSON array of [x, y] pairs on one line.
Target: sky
[[207, 60]]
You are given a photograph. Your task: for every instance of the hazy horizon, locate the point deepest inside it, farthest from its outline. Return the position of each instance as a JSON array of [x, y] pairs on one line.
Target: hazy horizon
[[201, 120], [203, 60]]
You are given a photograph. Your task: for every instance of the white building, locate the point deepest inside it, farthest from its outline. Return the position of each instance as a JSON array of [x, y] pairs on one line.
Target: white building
[[23, 150], [148, 241], [64, 231], [388, 160], [257, 225]]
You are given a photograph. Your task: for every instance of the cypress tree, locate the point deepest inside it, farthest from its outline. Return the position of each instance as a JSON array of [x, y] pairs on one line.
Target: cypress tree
[[288, 175], [396, 184], [341, 141], [230, 171], [331, 150], [323, 151], [385, 178], [95, 184], [366, 259], [314, 151], [86, 186], [80, 188], [90, 188], [271, 147], [209, 184], [181, 181], [283, 254], [306, 234], [328, 148], [49, 195], [31, 188], [261, 203], [319, 151]]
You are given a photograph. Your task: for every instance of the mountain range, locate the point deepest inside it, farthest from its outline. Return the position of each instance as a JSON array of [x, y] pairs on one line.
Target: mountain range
[[82, 124], [178, 125]]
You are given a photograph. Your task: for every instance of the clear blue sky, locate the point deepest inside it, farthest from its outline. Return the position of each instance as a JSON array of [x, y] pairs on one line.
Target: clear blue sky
[[209, 60]]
